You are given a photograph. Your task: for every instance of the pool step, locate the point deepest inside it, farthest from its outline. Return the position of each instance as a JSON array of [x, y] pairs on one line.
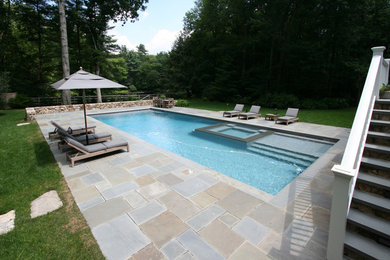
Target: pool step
[[282, 155], [294, 154]]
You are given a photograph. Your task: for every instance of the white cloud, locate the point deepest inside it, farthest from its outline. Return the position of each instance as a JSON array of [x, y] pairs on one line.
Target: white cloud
[[121, 39], [143, 15], [162, 41]]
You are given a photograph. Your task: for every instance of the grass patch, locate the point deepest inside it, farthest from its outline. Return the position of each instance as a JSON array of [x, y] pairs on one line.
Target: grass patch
[[28, 170], [333, 117]]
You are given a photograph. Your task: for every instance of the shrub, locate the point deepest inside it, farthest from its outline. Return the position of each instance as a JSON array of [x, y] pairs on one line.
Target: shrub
[[182, 103], [20, 101], [276, 100]]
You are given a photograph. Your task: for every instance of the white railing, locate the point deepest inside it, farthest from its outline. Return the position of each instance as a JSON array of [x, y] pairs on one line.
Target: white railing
[[346, 173]]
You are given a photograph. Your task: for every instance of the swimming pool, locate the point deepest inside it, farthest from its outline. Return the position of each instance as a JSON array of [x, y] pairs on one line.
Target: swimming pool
[[268, 163]]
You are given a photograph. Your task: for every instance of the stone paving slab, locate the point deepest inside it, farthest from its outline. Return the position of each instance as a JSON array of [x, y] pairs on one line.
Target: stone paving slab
[[7, 222], [143, 170], [213, 233], [106, 211], [92, 178], [239, 203], [90, 203], [153, 190], [163, 228], [135, 199], [172, 249], [198, 247], [179, 206], [147, 212], [149, 252], [205, 217], [120, 238], [251, 230], [248, 252], [119, 190], [191, 187], [45, 203]]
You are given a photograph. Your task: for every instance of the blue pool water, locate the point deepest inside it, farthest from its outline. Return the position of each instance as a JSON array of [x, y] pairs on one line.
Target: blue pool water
[[268, 163]]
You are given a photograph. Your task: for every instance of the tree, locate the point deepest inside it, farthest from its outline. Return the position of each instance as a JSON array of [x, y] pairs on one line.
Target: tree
[[66, 100]]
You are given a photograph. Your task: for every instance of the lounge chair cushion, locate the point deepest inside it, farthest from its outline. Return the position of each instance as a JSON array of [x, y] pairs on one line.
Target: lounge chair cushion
[[286, 118], [83, 138], [248, 114], [87, 148], [231, 112], [79, 128], [115, 143]]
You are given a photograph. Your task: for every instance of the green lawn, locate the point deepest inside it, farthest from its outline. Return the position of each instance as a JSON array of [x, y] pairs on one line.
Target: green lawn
[[333, 117], [27, 170]]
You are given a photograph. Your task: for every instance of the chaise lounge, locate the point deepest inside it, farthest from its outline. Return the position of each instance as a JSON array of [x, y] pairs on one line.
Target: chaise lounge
[[290, 117], [92, 138], [92, 150], [235, 112], [253, 113], [75, 130]]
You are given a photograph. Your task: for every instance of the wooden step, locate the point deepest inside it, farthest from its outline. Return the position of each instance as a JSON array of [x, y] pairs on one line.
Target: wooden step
[[365, 246], [380, 135], [374, 224], [380, 123], [383, 101], [374, 180], [381, 111], [376, 163], [377, 148], [371, 200]]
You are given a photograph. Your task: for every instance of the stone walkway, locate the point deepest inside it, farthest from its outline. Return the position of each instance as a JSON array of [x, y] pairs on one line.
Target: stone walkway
[[153, 204], [47, 202]]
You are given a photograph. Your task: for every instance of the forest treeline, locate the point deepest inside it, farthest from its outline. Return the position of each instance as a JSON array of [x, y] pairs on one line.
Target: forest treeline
[[250, 51]]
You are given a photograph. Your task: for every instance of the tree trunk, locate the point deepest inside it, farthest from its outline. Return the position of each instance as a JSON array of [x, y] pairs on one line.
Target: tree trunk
[[64, 47], [98, 93]]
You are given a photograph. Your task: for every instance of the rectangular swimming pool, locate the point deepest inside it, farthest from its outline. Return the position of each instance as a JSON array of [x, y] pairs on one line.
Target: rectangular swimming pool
[[268, 163]]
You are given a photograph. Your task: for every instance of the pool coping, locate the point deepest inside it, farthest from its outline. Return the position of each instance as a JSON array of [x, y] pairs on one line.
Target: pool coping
[[285, 195]]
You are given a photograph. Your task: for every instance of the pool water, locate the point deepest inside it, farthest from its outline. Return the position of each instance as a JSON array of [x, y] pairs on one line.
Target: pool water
[[268, 163]]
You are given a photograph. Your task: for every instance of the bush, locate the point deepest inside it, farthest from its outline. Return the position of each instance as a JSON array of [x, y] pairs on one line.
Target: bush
[[20, 101], [182, 103], [276, 100]]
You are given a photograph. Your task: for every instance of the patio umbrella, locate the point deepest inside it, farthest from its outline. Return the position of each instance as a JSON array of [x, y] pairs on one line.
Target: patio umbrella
[[84, 80]]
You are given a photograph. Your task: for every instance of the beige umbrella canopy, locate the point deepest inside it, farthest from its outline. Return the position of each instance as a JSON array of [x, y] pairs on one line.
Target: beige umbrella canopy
[[84, 80]]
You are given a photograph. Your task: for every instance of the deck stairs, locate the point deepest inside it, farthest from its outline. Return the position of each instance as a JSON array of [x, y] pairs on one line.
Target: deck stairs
[[368, 222]]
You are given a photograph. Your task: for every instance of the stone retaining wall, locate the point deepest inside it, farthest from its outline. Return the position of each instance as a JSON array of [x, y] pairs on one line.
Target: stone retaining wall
[[32, 111]]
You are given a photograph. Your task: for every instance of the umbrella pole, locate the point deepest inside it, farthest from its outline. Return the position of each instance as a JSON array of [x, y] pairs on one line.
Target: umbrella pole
[[85, 117]]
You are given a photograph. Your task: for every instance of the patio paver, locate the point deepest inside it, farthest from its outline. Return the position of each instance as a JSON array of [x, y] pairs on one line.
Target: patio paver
[[172, 249], [120, 238], [205, 217], [198, 247], [147, 212], [251, 230], [163, 228], [290, 225]]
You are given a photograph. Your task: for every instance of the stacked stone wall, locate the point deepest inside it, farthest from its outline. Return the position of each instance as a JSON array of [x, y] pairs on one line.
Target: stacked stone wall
[[31, 112]]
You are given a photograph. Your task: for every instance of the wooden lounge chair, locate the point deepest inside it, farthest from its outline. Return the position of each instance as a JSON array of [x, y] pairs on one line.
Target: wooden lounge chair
[[92, 150], [92, 138], [235, 112], [74, 130], [290, 117], [253, 113]]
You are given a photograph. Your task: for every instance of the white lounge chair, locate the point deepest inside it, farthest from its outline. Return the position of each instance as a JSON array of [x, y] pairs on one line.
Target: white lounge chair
[[235, 112], [290, 117], [253, 113]]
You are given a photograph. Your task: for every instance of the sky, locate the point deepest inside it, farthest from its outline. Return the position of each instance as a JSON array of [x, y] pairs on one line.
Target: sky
[[157, 27]]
